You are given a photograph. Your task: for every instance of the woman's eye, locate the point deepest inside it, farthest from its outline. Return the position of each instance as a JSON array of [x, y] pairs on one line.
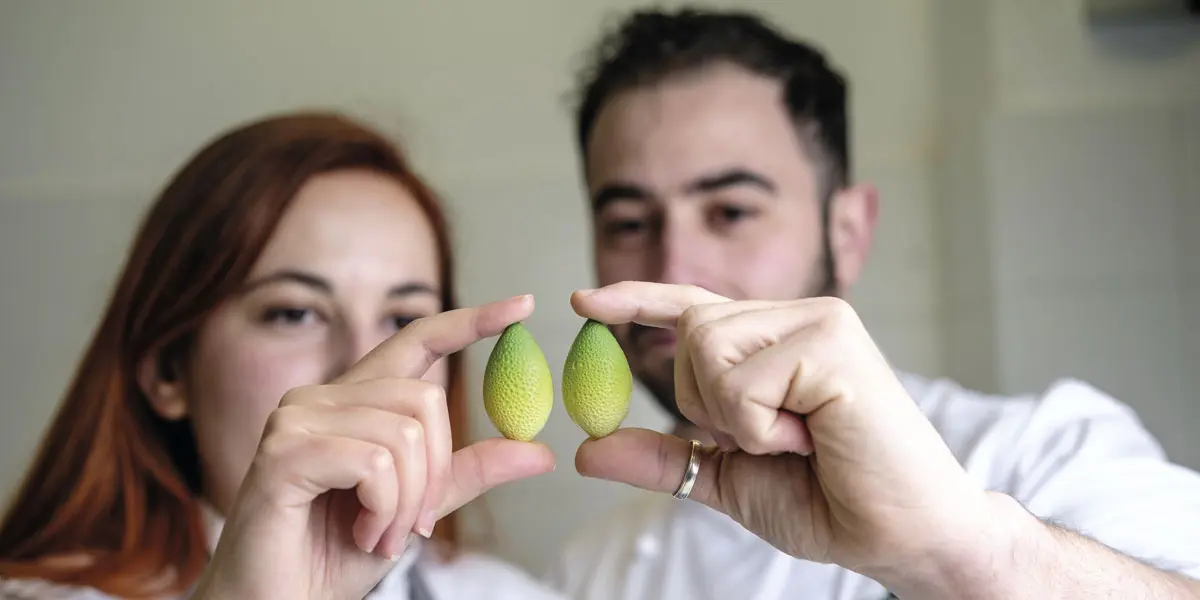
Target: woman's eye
[[402, 321], [290, 316]]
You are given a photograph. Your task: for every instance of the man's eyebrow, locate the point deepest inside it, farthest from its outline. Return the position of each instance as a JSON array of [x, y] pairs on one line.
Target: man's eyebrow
[[730, 178], [613, 192], [711, 182]]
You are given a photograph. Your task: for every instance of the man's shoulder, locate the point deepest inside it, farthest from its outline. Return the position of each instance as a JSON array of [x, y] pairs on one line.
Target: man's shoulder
[[1001, 438], [958, 411]]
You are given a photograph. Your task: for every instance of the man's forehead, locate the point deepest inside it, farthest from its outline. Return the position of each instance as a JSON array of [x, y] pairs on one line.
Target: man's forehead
[[671, 132]]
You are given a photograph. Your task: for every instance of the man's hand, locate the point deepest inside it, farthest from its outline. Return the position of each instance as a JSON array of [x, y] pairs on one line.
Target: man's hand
[[828, 458]]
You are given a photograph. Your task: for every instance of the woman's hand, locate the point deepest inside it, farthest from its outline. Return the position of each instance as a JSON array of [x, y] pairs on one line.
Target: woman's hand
[[347, 471], [824, 453]]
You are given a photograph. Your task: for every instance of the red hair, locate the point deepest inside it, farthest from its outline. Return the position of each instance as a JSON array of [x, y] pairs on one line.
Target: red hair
[[112, 481]]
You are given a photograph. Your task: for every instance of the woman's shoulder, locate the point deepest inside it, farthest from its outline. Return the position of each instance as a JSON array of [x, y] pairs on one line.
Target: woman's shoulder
[[37, 589], [478, 575]]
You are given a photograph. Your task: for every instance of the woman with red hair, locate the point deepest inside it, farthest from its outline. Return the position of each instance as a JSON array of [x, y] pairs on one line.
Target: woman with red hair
[[272, 405]]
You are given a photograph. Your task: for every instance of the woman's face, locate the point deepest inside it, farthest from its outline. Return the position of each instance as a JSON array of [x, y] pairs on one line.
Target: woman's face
[[353, 261]]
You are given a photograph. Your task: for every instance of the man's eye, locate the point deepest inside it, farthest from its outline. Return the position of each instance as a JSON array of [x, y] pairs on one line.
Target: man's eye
[[733, 214], [624, 227]]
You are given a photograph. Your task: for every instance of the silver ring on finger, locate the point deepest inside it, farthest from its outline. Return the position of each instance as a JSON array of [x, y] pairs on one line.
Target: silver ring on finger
[[689, 474]]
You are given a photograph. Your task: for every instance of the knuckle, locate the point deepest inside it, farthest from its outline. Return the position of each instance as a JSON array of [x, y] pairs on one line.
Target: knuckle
[[705, 335], [298, 396], [378, 460], [420, 323], [423, 328], [274, 461], [430, 393], [751, 429], [313, 395], [804, 368], [408, 432], [273, 446], [688, 320], [728, 387], [752, 444], [709, 351], [838, 312], [837, 387], [283, 420], [696, 291], [691, 410]]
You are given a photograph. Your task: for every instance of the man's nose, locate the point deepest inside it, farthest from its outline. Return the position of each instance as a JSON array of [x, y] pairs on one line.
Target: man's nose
[[684, 258]]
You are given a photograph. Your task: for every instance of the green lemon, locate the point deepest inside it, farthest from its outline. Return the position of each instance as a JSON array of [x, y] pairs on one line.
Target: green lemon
[[596, 382], [518, 391]]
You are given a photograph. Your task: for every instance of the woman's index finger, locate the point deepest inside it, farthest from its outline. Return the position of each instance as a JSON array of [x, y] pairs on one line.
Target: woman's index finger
[[412, 350]]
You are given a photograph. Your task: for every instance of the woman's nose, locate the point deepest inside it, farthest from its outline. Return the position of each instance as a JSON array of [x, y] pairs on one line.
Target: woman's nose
[[351, 345]]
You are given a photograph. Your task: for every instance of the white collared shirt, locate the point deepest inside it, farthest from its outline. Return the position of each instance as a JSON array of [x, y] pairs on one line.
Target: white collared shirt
[[1072, 455], [468, 576]]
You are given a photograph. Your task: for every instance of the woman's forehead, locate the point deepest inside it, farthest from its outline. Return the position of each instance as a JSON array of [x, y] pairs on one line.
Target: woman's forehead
[[354, 224]]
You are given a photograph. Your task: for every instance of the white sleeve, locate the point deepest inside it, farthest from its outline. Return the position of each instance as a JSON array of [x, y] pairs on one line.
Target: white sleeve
[[485, 577], [595, 561], [583, 570], [1085, 462], [556, 577], [33, 589], [570, 571]]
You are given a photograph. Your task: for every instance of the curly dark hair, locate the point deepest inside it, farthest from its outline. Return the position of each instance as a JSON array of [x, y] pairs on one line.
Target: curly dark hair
[[648, 46]]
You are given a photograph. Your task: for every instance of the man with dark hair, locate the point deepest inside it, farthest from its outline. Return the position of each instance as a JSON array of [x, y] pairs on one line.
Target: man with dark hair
[[715, 152]]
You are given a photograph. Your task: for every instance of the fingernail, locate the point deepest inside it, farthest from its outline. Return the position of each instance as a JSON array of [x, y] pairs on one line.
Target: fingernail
[[395, 557], [587, 292], [425, 525]]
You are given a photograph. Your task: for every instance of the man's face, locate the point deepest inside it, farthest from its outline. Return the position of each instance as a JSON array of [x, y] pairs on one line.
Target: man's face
[[702, 180]]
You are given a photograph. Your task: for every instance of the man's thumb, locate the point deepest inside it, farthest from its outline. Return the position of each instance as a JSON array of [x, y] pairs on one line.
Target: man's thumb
[[652, 461]]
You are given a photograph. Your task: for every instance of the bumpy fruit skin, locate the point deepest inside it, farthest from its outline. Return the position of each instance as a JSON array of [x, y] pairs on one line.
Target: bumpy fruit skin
[[518, 390], [596, 382]]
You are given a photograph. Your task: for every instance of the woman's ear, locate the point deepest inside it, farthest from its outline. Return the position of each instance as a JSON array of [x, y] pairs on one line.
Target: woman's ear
[[853, 213], [163, 387]]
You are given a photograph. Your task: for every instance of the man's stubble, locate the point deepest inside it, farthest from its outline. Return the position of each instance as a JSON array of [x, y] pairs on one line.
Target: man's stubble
[[662, 385]]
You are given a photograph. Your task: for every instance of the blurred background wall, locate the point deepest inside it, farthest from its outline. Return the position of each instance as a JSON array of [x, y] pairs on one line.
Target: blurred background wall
[[1040, 182]]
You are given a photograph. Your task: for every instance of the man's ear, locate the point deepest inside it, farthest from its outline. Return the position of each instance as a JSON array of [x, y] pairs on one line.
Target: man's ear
[[163, 387], [853, 213]]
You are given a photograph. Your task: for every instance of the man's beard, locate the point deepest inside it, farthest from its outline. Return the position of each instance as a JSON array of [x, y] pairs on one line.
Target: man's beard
[[662, 388]]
